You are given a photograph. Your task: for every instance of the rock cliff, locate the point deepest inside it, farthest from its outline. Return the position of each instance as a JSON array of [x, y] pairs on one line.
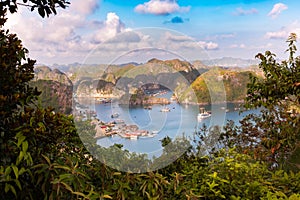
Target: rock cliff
[[56, 89]]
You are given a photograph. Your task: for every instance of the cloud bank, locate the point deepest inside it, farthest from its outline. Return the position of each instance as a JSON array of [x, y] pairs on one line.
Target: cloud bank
[[160, 7]]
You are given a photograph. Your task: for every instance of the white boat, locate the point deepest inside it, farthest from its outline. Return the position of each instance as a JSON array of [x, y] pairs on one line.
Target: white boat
[[115, 115], [133, 137], [203, 114], [119, 121], [165, 109]]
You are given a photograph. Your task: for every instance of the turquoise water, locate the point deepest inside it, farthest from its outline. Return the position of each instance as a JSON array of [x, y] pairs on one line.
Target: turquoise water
[[181, 119]]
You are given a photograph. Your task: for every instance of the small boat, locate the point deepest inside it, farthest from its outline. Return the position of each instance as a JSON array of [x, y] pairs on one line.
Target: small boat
[[147, 136], [236, 108], [151, 135], [165, 109], [148, 107], [203, 114], [173, 98], [119, 121], [133, 137], [115, 115]]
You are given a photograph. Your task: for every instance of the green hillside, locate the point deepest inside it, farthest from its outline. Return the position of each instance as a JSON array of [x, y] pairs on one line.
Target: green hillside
[[218, 85], [55, 95]]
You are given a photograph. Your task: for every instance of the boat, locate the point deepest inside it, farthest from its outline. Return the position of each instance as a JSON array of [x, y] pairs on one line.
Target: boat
[[203, 114], [148, 107], [133, 137], [119, 121], [173, 98], [115, 115], [148, 136], [165, 109]]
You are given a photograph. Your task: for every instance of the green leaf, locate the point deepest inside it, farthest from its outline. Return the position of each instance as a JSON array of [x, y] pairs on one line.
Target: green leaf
[[18, 184], [107, 196], [20, 158], [21, 138], [47, 159], [42, 126], [22, 170], [7, 171], [25, 146], [15, 169], [79, 194], [67, 186]]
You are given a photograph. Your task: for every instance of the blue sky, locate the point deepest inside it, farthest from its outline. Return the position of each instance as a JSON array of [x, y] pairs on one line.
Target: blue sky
[[94, 31]]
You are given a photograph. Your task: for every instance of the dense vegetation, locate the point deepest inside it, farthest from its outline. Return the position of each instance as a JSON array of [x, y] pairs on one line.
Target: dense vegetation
[[43, 157], [55, 95], [209, 87]]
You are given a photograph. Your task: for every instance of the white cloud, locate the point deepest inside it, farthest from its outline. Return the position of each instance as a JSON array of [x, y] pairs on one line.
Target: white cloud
[[229, 35], [68, 36], [277, 35], [284, 32], [208, 45], [183, 41], [277, 9], [241, 46], [160, 7], [112, 26], [86, 7], [177, 38], [241, 11]]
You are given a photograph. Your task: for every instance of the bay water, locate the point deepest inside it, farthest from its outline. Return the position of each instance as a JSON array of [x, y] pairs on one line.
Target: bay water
[[182, 119]]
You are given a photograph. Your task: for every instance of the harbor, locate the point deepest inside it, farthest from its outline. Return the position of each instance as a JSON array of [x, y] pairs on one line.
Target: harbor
[[118, 127]]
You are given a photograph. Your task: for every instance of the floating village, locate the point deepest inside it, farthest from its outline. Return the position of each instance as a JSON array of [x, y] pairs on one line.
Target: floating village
[[116, 126]]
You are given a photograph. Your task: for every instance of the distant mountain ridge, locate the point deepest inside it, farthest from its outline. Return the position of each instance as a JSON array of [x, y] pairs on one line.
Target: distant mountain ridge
[[177, 75], [230, 62]]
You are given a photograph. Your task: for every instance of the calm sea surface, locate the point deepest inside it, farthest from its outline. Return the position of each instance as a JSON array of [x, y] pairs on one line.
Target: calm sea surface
[[182, 119]]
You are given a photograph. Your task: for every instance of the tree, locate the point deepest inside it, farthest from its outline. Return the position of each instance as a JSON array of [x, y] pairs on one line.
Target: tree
[[44, 7], [273, 135], [32, 139], [281, 86]]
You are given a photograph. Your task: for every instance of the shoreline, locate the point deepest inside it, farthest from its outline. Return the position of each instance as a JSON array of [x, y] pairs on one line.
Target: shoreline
[[112, 98]]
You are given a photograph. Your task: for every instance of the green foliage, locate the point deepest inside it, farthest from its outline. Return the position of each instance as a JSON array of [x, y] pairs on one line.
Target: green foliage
[[16, 71], [54, 94], [274, 134], [44, 7], [281, 84], [218, 85]]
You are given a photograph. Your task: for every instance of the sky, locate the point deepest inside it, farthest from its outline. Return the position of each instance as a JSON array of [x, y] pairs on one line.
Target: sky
[[114, 31]]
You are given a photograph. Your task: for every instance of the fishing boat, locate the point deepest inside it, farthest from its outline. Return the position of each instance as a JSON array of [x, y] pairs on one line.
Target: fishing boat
[[133, 137], [203, 114], [165, 109], [148, 107], [115, 115]]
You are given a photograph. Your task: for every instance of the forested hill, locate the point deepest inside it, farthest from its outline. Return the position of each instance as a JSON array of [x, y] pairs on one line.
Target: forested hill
[[219, 83], [56, 89], [230, 80]]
